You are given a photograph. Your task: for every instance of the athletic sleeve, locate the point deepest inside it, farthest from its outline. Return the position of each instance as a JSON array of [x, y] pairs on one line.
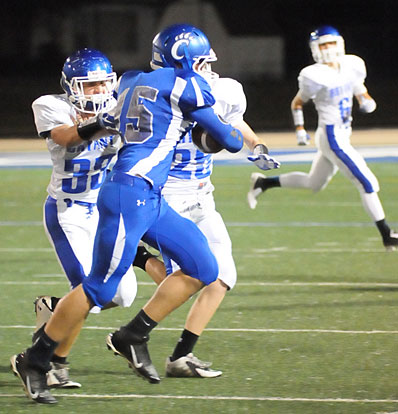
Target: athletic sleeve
[[51, 111], [230, 138]]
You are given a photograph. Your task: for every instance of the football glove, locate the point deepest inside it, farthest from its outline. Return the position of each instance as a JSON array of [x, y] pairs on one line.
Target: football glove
[[302, 137], [261, 158]]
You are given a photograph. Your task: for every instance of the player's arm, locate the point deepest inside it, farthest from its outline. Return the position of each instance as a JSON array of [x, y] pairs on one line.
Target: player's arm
[[260, 155], [228, 136], [93, 128], [296, 107], [366, 103], [66, 136]]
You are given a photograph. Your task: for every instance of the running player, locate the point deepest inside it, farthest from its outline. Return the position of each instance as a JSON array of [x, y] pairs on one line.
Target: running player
[[331, 83]]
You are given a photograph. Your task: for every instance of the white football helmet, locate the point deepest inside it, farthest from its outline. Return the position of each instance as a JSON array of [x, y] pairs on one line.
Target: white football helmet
[[325, 34]]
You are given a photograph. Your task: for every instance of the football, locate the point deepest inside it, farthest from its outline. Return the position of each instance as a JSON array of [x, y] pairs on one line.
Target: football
[[204, 141]]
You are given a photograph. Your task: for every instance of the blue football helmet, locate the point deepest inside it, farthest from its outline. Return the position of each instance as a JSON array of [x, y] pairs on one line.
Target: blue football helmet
[[81, 68], [325, 34], [183, 46]]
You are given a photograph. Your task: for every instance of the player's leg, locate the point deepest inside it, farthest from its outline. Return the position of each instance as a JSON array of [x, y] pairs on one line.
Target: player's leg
[[354, 167], [150, 264], [114, 251], [321, 172], [182, 362], [72, 242], [180, 239]]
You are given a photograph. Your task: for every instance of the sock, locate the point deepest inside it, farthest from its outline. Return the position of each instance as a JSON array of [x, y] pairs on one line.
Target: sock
[[184, 345], [41, 352], [58, 360], [141, 257], [141, 325], [384, 229], [268, 182]]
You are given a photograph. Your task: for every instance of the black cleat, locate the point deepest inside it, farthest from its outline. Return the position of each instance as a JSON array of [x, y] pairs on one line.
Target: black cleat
[[391, 242], [34, 381], [136, 354]]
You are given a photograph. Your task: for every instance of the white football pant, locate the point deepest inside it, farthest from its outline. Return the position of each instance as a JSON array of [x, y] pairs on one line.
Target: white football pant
[[71, 230], [335, 152], [200, 208]]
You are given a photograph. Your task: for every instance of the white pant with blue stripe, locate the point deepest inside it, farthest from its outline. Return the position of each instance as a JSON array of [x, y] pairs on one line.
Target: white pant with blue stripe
[[335, 152], [71, 228]]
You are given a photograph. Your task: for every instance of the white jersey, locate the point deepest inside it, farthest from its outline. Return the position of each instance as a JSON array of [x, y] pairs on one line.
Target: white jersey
[[191, 168], [78, 171], [332, 90]]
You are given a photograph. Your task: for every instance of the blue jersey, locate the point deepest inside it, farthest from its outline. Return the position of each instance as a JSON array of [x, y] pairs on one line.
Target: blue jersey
[[153, 114]]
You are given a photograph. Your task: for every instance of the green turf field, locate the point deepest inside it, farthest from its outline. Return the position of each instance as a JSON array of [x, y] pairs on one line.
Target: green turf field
[[311, 326]]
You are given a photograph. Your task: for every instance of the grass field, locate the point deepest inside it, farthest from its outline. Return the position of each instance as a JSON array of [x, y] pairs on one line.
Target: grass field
[[311, 326]]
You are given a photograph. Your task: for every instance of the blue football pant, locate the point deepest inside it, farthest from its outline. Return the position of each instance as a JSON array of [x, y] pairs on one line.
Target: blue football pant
[[131, 210]]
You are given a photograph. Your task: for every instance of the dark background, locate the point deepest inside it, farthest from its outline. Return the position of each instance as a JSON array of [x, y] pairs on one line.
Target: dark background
[[370, 30]]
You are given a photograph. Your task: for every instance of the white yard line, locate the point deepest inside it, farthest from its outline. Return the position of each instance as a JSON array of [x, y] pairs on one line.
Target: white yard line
[[282, 284], [212, 398], [232, 330]]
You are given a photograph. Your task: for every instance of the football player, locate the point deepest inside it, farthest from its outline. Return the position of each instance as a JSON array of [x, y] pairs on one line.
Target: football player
[[153, 111], [189, 191], [79, 169], [331, 83]]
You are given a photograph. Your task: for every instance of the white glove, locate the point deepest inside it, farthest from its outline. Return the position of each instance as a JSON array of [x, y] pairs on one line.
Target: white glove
[[302, 137], [261, 158]]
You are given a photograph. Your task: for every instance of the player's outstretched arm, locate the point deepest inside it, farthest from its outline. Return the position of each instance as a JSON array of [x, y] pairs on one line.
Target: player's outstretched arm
[[92, 128], [66, 135], [229, 137]]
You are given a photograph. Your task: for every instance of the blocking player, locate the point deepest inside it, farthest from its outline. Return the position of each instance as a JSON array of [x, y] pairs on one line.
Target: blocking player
[[79, 168], [331, 83], [189, 191], [153, 111]]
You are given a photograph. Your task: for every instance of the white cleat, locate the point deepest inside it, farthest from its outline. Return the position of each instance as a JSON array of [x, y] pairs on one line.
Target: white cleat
[[190, 366], [58, 377], [254, 191]]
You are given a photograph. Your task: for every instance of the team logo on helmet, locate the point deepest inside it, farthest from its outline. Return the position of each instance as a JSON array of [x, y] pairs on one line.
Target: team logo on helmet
[[182, 39]]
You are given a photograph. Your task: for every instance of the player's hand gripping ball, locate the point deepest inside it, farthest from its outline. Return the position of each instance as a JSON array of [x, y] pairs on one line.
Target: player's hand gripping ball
[[204, 141]]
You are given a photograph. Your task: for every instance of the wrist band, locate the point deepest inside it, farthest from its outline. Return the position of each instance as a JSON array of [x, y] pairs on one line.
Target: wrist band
[[88, 128], [260, 149], [298, 117]]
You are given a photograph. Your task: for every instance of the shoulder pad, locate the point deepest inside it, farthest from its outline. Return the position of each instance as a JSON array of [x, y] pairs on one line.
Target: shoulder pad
[[356, 63]]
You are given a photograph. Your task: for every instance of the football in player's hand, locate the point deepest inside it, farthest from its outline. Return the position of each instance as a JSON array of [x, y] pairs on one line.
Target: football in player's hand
[[204, 141]]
